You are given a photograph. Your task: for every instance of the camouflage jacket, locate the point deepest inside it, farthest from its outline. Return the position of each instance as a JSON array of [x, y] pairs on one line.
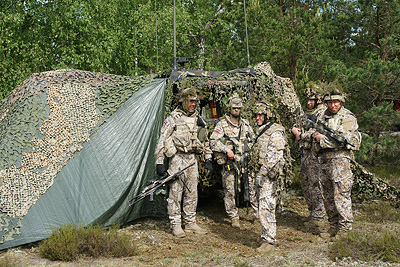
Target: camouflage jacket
[[182, 134], [226, 133], [345, 123], [270, 148]]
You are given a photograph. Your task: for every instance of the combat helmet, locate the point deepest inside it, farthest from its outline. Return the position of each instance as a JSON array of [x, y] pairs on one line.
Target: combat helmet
[[334, 92], [188, 94], [263, 108], [314, 92], [235, 101]]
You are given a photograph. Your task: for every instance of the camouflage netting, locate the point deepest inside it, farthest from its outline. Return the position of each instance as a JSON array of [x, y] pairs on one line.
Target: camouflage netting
[[43, 123], [258, 84]]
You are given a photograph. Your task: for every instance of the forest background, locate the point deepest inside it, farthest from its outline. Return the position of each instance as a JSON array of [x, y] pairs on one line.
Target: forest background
[[353, 42]]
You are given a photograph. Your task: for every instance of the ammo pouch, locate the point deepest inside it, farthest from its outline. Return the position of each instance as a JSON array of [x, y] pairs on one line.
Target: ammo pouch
[[169, 147], [277, 170]]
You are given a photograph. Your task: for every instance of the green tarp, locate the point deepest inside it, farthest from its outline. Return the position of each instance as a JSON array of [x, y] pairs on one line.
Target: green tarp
[[95, 184]]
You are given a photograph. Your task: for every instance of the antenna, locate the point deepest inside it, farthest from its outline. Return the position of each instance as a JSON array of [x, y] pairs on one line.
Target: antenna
[[247, 39], [174, 68]]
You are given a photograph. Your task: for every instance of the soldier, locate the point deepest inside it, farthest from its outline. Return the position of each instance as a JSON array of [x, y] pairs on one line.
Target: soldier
[[268, 151], [336, 176], [309, 166], [183, 137], [228, 142]]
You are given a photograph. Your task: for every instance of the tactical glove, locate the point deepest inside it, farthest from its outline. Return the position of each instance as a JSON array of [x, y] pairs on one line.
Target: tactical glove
[[258, 181], [208, 166], [161, 170]]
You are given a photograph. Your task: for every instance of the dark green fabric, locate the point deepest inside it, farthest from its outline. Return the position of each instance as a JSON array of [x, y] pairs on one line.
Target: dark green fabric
[[111, 168]]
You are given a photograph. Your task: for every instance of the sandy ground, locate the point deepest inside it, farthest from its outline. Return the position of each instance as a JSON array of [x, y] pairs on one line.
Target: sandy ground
[[222, 246]]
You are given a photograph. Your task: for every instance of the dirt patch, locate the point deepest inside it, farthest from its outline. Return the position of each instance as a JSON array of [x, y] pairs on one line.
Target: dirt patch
[[222, 246]]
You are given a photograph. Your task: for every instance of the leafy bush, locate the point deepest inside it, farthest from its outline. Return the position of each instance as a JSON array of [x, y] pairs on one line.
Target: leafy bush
[[387, 150], [70, 242]]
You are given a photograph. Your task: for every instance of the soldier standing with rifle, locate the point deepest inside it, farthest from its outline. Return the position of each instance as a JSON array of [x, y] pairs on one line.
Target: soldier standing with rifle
[[309, 166], [228, 142], [268, 152], [337, 134], [183, 137]]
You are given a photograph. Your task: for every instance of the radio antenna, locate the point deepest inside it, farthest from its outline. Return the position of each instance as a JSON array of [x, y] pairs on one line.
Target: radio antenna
[[247, 39], [174, 68]]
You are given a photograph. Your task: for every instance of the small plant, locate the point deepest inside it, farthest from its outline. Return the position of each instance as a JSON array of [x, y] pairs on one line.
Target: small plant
[[70, 242], [9, 262]]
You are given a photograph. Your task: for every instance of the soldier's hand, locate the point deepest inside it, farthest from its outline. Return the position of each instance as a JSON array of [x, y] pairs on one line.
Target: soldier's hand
[[317, 136], [230, 154], [208, 166], [296, 132], [160, 170]]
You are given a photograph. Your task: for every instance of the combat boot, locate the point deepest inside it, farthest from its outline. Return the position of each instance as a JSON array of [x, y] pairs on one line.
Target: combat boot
[[316, 226], [178, 232], [265, 248], [330, 234], [235, 223], [194, 228]]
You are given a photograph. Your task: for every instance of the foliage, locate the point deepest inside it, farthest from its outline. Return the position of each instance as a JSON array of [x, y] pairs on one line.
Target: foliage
[[70, 242], [385, 151]]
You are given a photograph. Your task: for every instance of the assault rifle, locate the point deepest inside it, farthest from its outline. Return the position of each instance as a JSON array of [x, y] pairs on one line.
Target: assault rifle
[[244, 162], [154, 186], [235, 143], [321, 127], [243, 173]]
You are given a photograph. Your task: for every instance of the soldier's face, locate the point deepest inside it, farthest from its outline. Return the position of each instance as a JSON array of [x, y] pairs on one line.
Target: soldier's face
[[235, 111], [333, 105], [190, 105], [260, 119], [310, 103]]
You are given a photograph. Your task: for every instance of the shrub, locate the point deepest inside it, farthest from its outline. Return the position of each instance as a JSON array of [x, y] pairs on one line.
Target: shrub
[[70, 242], [386, 150]]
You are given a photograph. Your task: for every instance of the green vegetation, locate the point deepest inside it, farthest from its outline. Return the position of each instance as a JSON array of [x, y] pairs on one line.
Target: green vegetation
[[376, 235], [70, 242], [390, 173], [368, 244]]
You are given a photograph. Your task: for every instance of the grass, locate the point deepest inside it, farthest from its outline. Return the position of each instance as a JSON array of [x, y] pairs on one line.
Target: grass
[[391, 174], [368, 244], [376, 235], [71, 242]]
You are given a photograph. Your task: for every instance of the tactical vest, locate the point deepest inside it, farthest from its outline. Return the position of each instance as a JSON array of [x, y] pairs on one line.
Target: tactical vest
[[185, 138], [233, 133], [261, 147]]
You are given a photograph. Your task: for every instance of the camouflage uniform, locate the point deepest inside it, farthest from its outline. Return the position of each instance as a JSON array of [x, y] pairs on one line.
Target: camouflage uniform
[[270, 152], [179, 141], [220, 144], [336, 175], [309, 171]]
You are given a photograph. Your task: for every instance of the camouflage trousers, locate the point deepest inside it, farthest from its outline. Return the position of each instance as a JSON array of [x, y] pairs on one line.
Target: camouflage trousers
[[337, 181], [310, 184], [183, 188], [266, 209], [228, 184]]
